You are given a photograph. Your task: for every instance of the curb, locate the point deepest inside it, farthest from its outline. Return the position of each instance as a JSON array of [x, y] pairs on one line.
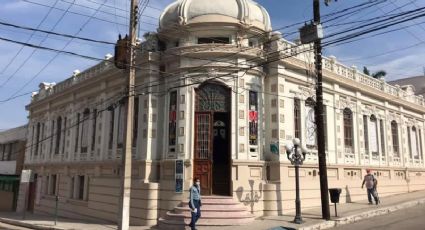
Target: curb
[[28, 225], [362, 216]]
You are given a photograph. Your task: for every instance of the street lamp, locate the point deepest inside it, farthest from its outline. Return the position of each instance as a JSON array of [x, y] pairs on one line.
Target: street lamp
[[296, 155]]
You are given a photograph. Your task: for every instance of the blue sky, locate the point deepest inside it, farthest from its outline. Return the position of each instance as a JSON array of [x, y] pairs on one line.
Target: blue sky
[[29, 68]]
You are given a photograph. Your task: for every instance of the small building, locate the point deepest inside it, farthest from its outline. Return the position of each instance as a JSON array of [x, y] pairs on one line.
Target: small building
[[418, 82], [12, 152]]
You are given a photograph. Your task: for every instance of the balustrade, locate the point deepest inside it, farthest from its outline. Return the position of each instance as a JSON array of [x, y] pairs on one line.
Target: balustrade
[[351, 73]]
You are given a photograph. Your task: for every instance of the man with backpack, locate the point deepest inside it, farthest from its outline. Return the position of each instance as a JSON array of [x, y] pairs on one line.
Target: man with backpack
[[371, 184]]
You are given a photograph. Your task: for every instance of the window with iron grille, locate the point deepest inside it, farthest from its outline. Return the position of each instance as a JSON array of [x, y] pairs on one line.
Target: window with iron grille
[[58, 134], [37, 146], [381, 122], [297, 118], [64, 135], [348, 128], [93, 134], [77, 132], [366, 134], [253, 118], [84, 130], [172, 119], [394, 134], [111, 128]]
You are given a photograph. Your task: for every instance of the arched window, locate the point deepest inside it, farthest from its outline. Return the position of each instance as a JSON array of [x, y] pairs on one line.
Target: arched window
[[94, 127], [310, 123], [84, 130], [172, 121], [58, 134], [77, 132], [394, 135], [37, 139], [64, 135], [348, 128], [373, 136], [414, 143], [111, 127]]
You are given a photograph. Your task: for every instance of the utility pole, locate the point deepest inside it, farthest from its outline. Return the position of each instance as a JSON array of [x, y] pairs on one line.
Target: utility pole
[[124, 209], [319, 118]]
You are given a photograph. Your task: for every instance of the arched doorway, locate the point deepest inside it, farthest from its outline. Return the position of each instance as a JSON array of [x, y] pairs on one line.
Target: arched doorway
[[212, 138]]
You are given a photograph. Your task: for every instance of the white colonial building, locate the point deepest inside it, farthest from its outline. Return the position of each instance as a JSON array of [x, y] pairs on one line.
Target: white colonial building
[[216, 91]]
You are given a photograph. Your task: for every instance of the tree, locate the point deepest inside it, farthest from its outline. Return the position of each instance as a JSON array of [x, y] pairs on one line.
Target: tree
[[366, 70], [377, 75]]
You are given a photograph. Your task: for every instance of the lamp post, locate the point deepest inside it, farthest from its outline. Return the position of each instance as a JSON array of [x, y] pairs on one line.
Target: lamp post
[[296, 155]]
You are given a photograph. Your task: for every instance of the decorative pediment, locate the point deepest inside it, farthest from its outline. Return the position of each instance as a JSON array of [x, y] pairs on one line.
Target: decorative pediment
[[307, 92]]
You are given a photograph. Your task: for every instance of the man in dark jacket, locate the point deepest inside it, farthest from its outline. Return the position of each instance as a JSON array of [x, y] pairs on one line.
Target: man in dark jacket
[[195, 202]]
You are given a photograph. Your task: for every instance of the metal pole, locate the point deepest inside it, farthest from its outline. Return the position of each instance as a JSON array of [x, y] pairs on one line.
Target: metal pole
[[25, 200], [319, 120], [336, 213], [298, 219], [124, 218], [56, 209]]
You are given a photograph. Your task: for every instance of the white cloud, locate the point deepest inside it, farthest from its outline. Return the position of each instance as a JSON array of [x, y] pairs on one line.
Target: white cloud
[[403, 66]]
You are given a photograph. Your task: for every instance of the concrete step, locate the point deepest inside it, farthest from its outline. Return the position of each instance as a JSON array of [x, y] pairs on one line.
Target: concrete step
[[206, 209], [212, 215], [182, 223], [216, 211]]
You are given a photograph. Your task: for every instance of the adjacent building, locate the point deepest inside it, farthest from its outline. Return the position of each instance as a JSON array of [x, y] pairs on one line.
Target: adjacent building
[[417, 83], [12, 152], [217, 91]]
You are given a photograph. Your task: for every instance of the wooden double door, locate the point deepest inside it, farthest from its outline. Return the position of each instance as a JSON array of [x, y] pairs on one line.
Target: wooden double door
[[212, 158], [212, 139]]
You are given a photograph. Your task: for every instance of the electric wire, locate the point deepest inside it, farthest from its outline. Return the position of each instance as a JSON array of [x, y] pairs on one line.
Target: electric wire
[[55, 33], [28, 40], [57, 54], [33, 51]]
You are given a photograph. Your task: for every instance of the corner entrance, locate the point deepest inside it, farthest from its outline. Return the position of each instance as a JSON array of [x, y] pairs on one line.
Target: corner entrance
[[212, 139]]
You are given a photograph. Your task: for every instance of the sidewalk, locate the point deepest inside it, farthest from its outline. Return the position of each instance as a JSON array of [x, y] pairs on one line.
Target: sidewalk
[[348, 213]]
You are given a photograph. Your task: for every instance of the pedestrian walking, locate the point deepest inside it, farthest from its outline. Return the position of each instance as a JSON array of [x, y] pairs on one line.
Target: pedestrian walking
[[371, 184], [195, 202]]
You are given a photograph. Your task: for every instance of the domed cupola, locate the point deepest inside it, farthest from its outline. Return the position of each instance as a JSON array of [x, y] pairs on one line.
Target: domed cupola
[[227, 12]]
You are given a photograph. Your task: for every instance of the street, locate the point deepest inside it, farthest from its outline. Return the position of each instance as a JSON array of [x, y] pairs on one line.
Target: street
[[4, 226], [411, 219]]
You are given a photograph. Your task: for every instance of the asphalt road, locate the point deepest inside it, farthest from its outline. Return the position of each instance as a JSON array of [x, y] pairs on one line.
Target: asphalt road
[[4, 226], [406, 219]]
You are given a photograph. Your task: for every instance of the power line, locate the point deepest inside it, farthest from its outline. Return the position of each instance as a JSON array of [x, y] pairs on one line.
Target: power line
[[17, 96], [76, 13], [57, 54], [90, 57], [32, 53], [384, 53], [54, 33], [29, 39]]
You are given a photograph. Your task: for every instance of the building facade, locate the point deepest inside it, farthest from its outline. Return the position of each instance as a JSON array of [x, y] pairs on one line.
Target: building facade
[[217, 91], [12, 152]]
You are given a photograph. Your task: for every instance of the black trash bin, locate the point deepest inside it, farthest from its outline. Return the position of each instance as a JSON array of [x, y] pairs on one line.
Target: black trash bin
[[335, 192]]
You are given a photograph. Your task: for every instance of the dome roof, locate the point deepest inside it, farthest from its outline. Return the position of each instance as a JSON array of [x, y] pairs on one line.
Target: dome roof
[[246, 12]]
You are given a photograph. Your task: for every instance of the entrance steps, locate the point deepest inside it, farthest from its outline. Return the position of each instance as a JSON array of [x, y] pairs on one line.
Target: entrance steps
[[215, 211]]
